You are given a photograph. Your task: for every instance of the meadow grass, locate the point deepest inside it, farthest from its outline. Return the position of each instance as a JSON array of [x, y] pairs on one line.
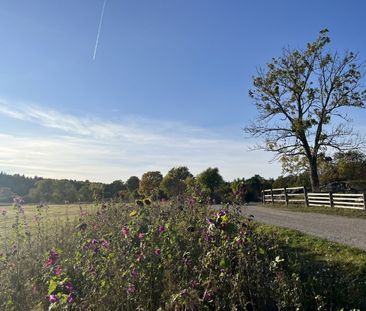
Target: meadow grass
[[53, 213]]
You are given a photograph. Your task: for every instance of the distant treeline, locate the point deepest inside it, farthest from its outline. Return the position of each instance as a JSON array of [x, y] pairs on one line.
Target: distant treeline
[[209, 184], [177, 181]]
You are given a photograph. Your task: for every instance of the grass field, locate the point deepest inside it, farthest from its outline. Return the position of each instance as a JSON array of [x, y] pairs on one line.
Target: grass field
[[54, 213]]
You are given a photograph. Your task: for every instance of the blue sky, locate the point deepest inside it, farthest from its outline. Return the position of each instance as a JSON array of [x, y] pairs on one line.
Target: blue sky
[[168, 86]]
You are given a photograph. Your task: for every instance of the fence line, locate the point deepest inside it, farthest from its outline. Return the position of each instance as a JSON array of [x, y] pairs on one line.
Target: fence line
[[300, 195]]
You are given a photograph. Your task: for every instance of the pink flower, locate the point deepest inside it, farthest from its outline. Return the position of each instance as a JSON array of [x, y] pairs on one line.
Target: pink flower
[[52, 298], [52, 257], [131, 289], [141, 236], [157, 251], [125, 231], [58, 270], [134, 273], [105, 244]]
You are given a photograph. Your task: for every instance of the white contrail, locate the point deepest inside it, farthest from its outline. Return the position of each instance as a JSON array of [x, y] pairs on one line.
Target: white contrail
[[99, 27]]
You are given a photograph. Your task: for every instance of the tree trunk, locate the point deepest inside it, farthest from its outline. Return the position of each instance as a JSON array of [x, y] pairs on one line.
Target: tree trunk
[[314, 177]]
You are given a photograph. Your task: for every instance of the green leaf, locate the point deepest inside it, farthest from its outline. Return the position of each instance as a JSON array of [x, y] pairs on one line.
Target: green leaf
[[52, 286]]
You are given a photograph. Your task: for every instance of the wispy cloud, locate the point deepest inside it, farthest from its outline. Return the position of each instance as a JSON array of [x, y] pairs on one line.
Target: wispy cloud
[[89, 148]]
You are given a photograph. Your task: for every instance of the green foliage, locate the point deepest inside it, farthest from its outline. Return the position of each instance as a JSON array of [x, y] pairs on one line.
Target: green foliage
[[150, 183], [173, 257], [133, 183], [210, 179], [173, 182], [6, 195]]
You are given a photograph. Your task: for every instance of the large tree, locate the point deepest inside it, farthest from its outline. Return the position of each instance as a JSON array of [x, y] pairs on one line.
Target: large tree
[[210, 179], [302, 99], [173, 182], [150, 182]]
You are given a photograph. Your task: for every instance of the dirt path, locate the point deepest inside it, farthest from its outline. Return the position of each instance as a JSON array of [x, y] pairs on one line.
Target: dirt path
[[350, 231]]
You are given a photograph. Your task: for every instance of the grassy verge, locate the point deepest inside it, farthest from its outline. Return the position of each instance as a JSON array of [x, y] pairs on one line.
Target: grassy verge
[[326, 267], [351, 213], [315, 248]]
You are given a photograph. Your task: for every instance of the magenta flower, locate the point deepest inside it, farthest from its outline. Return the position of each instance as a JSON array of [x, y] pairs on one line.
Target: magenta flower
[[134, 273], [58, 270], [131, 289], [68, 287], [161, 229], [105, 244], [52, 257], [53, 298], [157, 251], [70, 299], [125, 231], [141, 236]]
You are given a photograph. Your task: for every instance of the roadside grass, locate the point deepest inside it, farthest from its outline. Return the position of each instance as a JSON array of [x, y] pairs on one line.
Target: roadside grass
[[346, 212], [323, 266]]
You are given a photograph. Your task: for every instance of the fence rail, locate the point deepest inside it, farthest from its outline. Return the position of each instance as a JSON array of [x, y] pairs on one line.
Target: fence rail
[[300, 195]]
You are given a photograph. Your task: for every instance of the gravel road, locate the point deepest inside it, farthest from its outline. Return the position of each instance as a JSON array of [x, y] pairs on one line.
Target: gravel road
[[350, 231]]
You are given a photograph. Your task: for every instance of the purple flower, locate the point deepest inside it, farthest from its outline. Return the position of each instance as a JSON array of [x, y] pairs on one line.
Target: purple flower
[[125, 231], [210, 221], [52, 257], [221, 213], [161, 229], [134, 273], [105, 244], [53, 298], [18, 200], [70, 299], [131, 289], [68, 287], [194, 284], [141, 236], [58, 270]]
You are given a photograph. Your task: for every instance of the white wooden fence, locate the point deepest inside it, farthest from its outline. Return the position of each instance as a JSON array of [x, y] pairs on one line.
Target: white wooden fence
[[300, 195]]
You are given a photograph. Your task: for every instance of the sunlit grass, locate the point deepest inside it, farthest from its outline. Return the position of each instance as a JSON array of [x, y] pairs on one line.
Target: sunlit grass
[[54, 213]]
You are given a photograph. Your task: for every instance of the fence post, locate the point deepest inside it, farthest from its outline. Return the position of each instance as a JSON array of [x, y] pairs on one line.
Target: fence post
[[364, 200], [331, 199], [306, 197], [272, 196], [263, 197], [286, 196]]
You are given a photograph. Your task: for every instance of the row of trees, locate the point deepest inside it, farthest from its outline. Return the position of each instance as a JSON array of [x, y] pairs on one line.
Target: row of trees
[[178, 181], [347, 166]]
